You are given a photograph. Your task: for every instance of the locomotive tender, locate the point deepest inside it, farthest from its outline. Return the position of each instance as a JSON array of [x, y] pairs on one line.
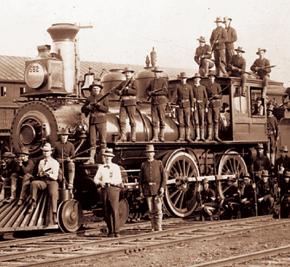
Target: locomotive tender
[[54, 98]]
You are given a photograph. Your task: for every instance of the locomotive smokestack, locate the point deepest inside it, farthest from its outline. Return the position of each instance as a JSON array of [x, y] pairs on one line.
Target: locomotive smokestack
[[63, 36]]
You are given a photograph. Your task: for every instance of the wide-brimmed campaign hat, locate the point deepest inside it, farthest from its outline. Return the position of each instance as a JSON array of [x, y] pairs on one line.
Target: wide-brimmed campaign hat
[[218, 19], [182, 75], [95, 84], [127, 70], [63, 131], [24, 151], [284, 149], [211, 73], [149, 148], [201, 39], [47, 147], [196, 75], [260, 146], [261, 50], [265, 173], [108, 152], [8, 154], [227, 18], [205, 181], [240, 49], [247, 176], [156, 69]]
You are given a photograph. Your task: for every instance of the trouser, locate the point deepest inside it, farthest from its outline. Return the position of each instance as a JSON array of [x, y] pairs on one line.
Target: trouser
[[69, 172], [184, 117], [111, 196], [158, 115], [52, 187], [229, 54], [220, 61], [13, 178], [205, 65], [129, 111], [25, 186], [155, 211], [199, 117], [213, 115], [100, 128]]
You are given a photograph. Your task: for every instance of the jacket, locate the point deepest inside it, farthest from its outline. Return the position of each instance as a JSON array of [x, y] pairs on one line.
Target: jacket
[[158, 89], [218, 34], [128, 94]]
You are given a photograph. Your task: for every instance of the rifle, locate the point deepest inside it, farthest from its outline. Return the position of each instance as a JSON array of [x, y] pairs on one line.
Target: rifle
[[214, 44], [266, 67], [124, 86], [153, 92]]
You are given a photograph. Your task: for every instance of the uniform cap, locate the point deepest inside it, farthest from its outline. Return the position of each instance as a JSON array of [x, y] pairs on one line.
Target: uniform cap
[[47, 147], [149, 148], [265, 173], [109, 152], [218, 19], [284, 148], [63, 131], [240, 49], [260, 50], [201, 39]]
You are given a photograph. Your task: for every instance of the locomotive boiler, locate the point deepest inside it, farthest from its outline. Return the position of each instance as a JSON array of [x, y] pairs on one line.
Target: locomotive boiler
[[54, 100]]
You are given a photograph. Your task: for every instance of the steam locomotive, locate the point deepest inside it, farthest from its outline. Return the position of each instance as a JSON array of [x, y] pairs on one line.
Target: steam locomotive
[[54, 98]]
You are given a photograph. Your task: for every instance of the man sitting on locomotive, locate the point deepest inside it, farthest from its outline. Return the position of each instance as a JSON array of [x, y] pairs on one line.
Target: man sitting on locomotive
[[8, 164], [247, 197], [47, 177], [213, 115], [158, 92], [97, 107], [203, 57], [183, 97], [127, 90], [207, 200], [285, 195], [64, 152]]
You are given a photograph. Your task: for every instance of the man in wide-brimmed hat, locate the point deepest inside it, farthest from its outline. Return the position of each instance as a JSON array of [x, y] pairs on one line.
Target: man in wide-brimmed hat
[[213, 115], [183, 97], [237, 68], [109, 177], [152, 179], [200, 98], [97, 107], [261, 68], [158, 92], [231, 39], [64, 152], [217, 41], [247, 196], [47, 177], [260, 163], [203, 57], [285, 195], [127, 90], [282, 163]]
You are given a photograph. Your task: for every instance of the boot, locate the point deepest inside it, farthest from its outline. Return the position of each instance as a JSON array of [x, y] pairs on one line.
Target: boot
[[181, 135], [197, 137], [123, 137], [158, 222], [161, 135], [92, 156], [187, 135], [216, 133], [155, 135], [202, 134], [209, 137], [133, 133]]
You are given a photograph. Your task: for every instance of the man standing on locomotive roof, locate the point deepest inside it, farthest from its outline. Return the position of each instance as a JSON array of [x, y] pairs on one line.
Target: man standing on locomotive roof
[[200, 102], [213, 115], [158, 92], [109, 177], [64, 152], [237, 68], [47, 177], [127, 90], [152, 179], [97, 107], [272, 132], [184, 101], [203, 57], [261, 68], [231, 38], [217, 40]]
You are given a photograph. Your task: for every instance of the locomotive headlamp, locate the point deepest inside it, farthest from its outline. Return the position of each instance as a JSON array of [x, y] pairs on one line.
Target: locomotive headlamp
[[35, 75]]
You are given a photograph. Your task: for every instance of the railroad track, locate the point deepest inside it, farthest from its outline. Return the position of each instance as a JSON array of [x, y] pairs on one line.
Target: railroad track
[[58, 250]]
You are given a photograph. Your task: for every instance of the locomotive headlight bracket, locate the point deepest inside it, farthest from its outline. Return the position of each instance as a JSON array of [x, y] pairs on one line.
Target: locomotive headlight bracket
[[35, 75]]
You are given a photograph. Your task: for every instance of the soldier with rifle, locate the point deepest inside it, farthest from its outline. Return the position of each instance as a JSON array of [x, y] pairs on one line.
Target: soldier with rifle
[[262, 68], [285, 195], [203, 57], [231, 38], [272, 132], [217, 40], [97, 106], [158, 92], [127, 90], [282, 164], [237, 68]]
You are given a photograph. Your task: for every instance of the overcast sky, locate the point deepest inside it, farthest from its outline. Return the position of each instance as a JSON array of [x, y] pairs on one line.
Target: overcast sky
[[125, 31]]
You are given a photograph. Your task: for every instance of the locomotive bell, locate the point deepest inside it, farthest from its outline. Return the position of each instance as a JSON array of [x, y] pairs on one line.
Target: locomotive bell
[[88, 79], [63, 36]]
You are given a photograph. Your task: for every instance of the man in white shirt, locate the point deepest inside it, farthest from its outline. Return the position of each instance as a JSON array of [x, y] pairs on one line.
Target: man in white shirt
[[48, 170], [109, 178]]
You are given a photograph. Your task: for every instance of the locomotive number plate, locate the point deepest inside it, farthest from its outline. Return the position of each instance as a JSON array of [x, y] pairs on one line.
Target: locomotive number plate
[[35, 75]]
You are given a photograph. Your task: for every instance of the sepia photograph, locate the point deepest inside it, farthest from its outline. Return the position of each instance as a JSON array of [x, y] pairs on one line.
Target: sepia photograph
[[144, 133]]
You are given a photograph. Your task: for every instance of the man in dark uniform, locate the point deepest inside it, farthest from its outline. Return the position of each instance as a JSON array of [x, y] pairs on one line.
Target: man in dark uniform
[[98, 120], [127, 90], [231, 38], [261, 68], [272, 132], [247, 197], [285, 195], [282, 164], [183, 97], [64, 153], [7, 167], [152, 179], [260, 163], [203, 57], [217, 40], [207, 200], [200, 99], [158, 91], [237, 68], [109, 177], [265, 193], [213, 115]]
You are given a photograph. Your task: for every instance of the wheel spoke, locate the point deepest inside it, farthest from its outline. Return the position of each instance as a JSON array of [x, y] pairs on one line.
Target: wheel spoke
[[181, 200], [177, 198], [174, 193], [180, 167]]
